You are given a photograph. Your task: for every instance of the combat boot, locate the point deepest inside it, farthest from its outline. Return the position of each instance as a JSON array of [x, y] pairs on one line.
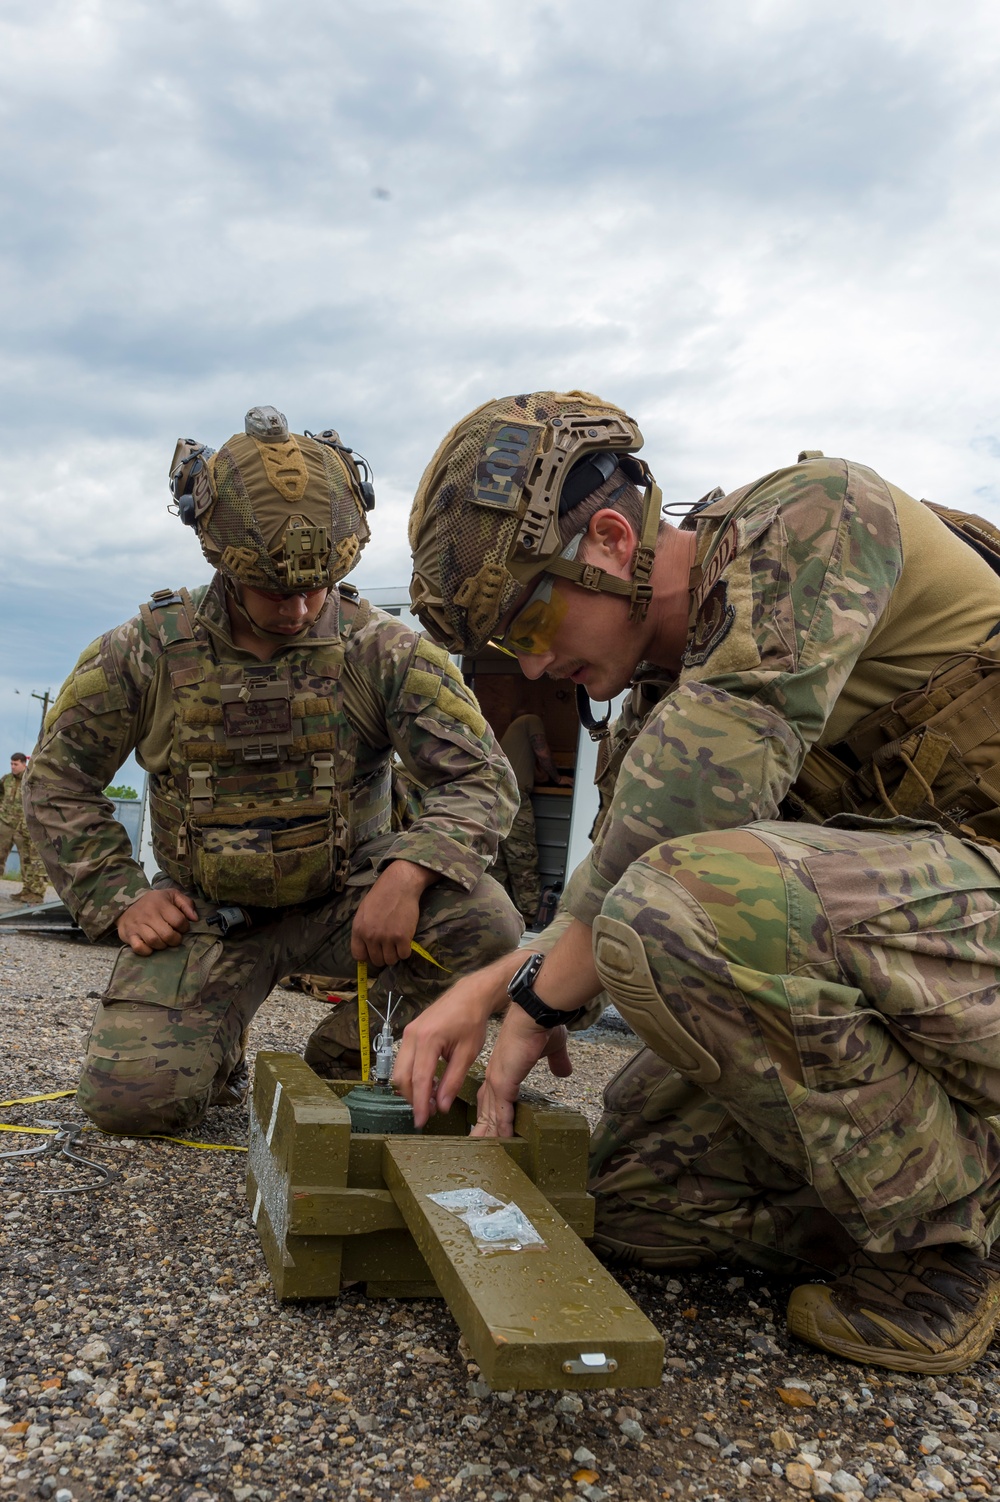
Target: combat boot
[[234, 1089], [930, 1311]]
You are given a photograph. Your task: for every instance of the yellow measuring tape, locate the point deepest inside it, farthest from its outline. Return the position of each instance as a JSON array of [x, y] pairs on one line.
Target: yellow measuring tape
[[364, 1028]]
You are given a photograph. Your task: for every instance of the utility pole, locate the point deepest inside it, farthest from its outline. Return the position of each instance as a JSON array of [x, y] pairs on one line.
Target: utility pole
[[44, 700]]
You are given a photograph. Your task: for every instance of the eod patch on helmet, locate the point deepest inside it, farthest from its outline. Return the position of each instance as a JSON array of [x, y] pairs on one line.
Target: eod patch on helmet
[[486, 517], [279, 511]]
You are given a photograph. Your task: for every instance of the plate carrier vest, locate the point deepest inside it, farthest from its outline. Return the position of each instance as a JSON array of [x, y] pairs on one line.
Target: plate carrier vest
[[259, 806]]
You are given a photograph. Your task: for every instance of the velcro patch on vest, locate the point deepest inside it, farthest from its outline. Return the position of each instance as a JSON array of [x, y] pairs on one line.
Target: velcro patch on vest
[[257, 717]]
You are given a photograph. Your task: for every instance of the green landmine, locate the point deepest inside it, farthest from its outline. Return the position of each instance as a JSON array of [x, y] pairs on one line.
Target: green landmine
[[334, 1207]]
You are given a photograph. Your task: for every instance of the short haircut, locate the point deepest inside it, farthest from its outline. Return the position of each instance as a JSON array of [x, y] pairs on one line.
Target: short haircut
[[616, 494], [18, 756]]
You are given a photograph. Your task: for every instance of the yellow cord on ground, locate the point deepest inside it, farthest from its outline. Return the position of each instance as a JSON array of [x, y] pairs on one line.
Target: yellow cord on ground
[[29, 1100], [363, 1030]]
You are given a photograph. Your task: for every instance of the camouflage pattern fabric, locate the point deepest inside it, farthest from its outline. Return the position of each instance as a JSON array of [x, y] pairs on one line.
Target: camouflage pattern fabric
[[401, 696], [14, 834], [167, 1033], [842, 984], [791, 593], [516, 866]]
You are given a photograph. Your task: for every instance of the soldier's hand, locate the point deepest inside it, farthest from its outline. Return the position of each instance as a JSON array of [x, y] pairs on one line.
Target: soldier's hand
[[452, 1028], [517, 1050], [387, 918], [157, 920]]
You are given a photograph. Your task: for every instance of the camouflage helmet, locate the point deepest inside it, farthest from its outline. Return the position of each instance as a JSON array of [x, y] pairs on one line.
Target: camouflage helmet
[[276, 510], [485, 519]]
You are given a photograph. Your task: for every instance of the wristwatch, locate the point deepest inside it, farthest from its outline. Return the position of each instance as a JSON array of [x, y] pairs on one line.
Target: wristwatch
[[521, 990]]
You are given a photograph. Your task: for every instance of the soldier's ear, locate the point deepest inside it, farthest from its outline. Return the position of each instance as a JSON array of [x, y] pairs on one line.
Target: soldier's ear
[[610, 542]]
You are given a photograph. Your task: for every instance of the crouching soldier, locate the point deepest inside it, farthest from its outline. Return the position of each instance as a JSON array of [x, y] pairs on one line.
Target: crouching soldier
[[266, 708], [794, 896]]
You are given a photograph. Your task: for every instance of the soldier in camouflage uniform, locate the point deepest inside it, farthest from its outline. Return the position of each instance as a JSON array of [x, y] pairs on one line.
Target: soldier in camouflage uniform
[[266, 708], [526, 747], [14, 833], [794, 894]]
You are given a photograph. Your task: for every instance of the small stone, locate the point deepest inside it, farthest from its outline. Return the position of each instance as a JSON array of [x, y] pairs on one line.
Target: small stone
[[94, 1350], [583, 1456], [632, 1430], [929, 1443], [795, 1397], [782, 1440], [63, 1495], [798, 1475], [569, 1404], [470, 1421], [764, 1345], [843, 1481], [706, 1439]]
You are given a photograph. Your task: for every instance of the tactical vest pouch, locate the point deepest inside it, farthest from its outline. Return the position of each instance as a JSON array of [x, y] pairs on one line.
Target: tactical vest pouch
[[172, 978], [236, 860], [931, 754]]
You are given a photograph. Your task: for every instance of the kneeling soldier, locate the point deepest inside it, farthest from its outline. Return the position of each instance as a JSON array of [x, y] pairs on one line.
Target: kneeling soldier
[[266, 708]]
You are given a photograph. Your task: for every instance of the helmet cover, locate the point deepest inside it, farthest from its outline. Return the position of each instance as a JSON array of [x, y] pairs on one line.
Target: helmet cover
[[485, 518], [276, 510]]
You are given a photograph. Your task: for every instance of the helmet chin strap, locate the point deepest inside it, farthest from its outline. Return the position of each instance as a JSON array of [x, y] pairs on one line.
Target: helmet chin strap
[[277, 638]]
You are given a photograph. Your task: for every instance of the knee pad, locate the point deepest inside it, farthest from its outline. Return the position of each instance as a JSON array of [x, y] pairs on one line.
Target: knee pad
[[621, 963]]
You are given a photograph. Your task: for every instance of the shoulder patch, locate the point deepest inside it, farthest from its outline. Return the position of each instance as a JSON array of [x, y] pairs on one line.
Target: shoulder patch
[[460, 709], [714, 622], [431, 652], [424, 685]]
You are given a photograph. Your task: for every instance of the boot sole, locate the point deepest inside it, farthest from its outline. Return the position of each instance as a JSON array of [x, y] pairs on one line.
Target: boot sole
[[930, 1364]]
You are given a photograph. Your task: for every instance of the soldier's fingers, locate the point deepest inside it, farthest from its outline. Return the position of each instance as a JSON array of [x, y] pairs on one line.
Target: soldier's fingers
[[454, 1075], [138, 946], [182, 901]]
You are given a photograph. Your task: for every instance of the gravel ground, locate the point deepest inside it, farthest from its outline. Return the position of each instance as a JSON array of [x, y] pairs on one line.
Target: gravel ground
[[144, 1355]]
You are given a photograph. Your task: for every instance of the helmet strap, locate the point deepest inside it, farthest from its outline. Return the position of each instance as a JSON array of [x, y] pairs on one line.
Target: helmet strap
[[277, 638], [638, 588]]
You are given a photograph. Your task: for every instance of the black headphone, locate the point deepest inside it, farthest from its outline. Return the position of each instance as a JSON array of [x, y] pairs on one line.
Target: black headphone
[[357, 465], [183, 476], [590, 472]]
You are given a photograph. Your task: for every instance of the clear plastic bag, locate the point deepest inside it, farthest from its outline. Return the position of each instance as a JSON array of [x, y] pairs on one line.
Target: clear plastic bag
[[493, 1225]]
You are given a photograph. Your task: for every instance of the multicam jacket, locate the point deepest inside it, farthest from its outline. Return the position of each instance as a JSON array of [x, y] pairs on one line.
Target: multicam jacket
[[820, 594], [264, 777], [11, 812]]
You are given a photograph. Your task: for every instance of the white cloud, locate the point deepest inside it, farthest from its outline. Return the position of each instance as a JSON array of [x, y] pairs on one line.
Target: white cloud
[[759, 226]]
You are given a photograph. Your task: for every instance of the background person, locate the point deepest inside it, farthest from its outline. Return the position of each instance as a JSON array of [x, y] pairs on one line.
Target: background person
[[14, 834], [526, 747]]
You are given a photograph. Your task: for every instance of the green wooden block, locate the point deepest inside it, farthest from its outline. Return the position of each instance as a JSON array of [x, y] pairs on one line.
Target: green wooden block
[[334, 1207], [549, 1317]]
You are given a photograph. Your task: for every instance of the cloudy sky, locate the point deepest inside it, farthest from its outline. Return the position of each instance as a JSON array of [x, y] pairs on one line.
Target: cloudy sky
[[760, 225]]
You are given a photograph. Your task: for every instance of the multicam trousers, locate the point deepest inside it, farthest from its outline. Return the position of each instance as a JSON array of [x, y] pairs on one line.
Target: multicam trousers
[[516, 865], [168, 1031], [832, 997], [33, 873]]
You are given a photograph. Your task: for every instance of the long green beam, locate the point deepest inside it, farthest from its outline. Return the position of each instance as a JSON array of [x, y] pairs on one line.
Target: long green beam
[[551, 1318]]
